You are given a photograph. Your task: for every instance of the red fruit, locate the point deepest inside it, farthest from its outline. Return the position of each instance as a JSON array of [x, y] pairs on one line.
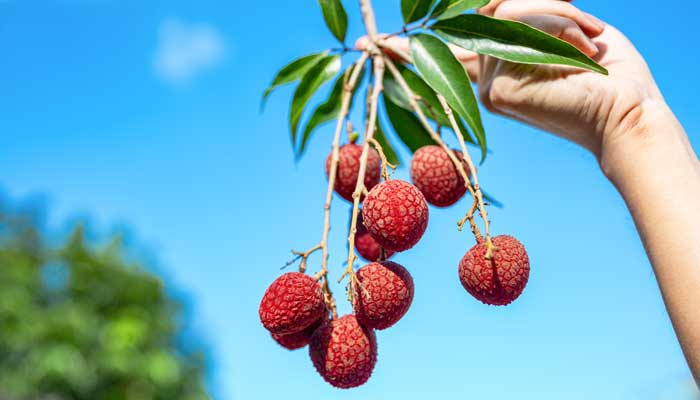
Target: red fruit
[[385, 296], [395, 214], [365, 244], [436, 176], [291, 304], [498, 281], [297, 340], [344, 352], [349, 168]]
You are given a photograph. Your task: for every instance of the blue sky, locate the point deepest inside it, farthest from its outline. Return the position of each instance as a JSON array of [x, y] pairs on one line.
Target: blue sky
[[146, 114]]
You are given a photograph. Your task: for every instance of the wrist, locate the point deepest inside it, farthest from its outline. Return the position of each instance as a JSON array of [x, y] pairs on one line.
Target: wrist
[[649, 136]]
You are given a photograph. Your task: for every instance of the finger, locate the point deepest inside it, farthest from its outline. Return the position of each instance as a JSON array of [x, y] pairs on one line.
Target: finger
[[398, 49], [516, 9], [490, 8], [565, 29]]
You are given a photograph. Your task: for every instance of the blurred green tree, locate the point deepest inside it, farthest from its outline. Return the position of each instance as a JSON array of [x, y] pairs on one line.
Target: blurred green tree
[[80, 322]]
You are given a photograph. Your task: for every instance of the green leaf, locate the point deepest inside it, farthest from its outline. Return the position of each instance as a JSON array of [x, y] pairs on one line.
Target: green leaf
[[491, 200], [388, 149], [314, 78], [329, 109], [451, 8], [407, 126], [413, 10], [336, 18], [430, 105], [446, 75], [512, 41], [293, 72]]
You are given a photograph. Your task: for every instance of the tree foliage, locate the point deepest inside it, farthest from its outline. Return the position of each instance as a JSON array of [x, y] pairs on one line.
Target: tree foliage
[[82, 322]]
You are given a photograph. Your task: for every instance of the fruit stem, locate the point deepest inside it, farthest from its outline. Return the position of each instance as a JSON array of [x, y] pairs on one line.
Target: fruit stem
[[472, 224], [476, 189], [348, 87], [370, 129], [304, 257], [386, 165]]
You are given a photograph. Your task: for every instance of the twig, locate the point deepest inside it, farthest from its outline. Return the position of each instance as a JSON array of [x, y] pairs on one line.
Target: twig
[[407, 29], [304, 256], [385, 163], [472, 224], [333, 171], [360, 189], [476, 192]]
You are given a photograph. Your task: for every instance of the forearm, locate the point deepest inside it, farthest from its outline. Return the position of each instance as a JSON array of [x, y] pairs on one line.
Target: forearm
[[658, 175]]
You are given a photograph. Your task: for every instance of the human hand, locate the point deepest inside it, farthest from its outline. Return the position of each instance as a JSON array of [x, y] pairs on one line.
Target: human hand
[[587, 108]]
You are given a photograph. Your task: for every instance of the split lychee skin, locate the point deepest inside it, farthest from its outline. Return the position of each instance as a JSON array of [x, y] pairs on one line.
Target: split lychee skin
[[435, 175], [396, 214], [385, 294], [349, 168], [498, 281], [298, 340], [291, 304], [344, 352], [366, 246]]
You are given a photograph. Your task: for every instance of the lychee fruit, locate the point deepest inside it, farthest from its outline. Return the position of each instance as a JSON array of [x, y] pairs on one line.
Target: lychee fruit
[[291, 304], [344, 352], [500, 280], [436, 176], [294, 341], [395, 214], [349, 168], [384, 295], [365, 244]]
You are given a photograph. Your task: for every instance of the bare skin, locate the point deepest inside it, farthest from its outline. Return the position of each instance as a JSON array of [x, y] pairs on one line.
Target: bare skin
[[624, 121]]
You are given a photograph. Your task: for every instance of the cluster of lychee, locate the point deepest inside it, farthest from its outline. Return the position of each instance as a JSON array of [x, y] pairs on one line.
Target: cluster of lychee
[[393, 218]]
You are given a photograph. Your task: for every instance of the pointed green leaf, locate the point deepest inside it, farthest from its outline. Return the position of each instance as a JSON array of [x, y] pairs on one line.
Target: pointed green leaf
[[413, 10], [446, 75], [293, 71], [407, 126], [328, 110], [491, 200], [512, 41], [388, 149], [451, 8], [314, 78], [336, 18], [430, 105]]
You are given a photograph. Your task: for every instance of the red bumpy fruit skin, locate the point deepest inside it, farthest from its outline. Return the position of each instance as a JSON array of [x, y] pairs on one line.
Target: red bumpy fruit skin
[[294, 341], [498, 281], [291, 304], [395, 214], [436, 176], [349, 168], [344, 352], [385, 296], [365, 244]]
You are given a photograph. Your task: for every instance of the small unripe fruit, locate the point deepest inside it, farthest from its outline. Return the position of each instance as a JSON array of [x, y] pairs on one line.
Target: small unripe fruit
[[294, 341], [396, 214], [498, 281], [365, 244], [344, 352], [436, 176], [385, 294], [291, 304], [349, 168]]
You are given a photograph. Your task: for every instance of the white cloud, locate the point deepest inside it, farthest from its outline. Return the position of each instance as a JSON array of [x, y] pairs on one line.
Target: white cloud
[[186, 50]]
